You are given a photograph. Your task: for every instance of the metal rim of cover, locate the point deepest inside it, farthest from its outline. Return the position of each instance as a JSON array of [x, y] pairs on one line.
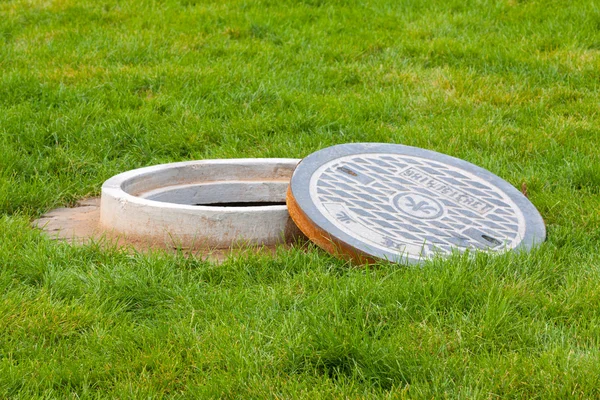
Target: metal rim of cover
[[375, 201]]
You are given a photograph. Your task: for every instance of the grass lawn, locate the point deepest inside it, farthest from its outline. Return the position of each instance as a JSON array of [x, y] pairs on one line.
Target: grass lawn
[[89, 89]]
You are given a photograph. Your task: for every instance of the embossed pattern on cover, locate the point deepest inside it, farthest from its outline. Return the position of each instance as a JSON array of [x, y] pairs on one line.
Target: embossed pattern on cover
[[406, 204]]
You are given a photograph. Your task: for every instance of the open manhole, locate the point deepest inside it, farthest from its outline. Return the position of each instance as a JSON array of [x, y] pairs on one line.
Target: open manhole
[[207, 203], [364, 201]]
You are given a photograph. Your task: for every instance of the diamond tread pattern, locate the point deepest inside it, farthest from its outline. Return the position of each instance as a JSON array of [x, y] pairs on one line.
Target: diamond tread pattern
[[377, 180]]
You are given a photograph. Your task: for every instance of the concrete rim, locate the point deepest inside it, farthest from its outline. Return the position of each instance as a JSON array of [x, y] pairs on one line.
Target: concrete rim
[[125, 210]]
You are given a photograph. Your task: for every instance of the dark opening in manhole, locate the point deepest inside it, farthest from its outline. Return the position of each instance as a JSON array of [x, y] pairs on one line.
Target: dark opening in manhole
[[244, 204]]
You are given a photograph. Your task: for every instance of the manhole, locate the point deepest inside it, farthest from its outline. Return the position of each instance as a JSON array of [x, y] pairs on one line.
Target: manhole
[[208, 203], [381, 201]]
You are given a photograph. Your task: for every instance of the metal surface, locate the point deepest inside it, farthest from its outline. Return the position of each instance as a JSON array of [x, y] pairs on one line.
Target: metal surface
[[407, 204]]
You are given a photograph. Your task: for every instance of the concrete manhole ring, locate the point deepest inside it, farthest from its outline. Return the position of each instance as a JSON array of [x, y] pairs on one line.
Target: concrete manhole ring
[[202, 204]]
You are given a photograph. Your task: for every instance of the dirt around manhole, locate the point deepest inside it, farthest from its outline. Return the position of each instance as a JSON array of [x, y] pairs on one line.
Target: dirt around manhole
[[80, 225]]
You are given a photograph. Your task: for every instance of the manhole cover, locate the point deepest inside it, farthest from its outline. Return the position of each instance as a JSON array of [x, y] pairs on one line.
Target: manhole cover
[[405, 204]]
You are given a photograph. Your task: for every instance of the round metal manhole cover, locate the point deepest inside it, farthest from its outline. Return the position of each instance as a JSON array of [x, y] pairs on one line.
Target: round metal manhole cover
[[404, 204]]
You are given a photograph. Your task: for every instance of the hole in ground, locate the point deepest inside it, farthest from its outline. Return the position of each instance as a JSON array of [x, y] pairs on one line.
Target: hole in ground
[[243, 204]]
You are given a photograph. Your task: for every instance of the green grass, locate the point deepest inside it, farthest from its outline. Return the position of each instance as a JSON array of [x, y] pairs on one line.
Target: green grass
[[90, 89]]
